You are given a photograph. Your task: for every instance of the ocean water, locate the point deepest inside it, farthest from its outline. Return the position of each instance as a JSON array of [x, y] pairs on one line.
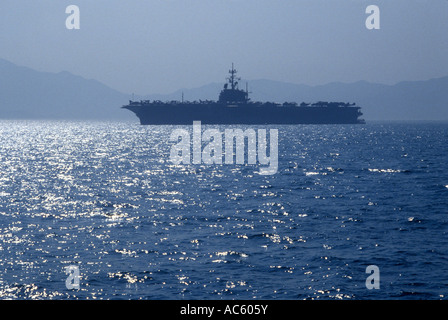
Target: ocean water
[[105, 197]]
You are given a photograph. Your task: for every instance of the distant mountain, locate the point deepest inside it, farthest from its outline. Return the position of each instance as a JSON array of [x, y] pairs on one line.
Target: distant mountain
[[29, 94]]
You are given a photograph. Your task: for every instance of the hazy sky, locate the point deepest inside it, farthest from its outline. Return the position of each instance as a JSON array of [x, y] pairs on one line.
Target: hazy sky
[[159, 46]]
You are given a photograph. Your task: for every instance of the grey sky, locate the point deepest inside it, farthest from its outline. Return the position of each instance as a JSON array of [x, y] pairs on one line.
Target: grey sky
[[159, 46]]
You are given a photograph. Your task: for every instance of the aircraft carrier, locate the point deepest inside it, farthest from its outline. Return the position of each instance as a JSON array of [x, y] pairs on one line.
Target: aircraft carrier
[[235, 107]]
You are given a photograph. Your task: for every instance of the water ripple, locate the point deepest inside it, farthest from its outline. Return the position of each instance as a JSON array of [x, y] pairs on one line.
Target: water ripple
[[104, 197]]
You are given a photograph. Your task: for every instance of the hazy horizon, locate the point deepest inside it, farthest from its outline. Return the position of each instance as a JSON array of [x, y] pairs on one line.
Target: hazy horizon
[[223, 81], [162, 46]]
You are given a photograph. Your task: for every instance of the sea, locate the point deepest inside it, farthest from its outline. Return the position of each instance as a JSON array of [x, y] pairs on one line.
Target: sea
[[97, 210]]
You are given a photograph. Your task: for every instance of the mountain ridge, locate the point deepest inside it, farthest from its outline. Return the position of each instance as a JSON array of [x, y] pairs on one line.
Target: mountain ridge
[[29, 94]]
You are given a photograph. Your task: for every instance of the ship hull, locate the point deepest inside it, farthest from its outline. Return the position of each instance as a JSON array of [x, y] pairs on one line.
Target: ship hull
[[183, 114]]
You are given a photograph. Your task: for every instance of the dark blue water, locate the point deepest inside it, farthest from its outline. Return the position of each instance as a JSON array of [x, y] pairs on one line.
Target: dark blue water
[[104, 196]]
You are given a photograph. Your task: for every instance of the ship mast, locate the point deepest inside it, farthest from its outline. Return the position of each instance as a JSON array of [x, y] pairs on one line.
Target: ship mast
[[232, 79]]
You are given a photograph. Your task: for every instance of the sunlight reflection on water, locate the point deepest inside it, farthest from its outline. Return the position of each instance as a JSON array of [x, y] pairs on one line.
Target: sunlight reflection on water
[[105, 197]]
